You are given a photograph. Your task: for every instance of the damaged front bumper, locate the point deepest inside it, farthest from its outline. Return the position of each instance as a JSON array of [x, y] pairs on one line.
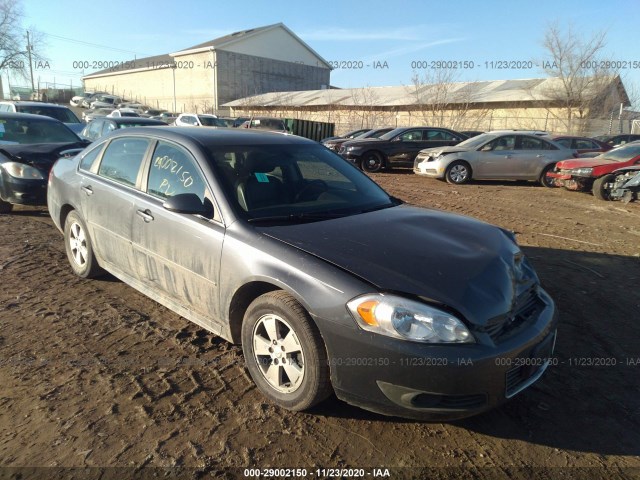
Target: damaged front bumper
[[570, 181]]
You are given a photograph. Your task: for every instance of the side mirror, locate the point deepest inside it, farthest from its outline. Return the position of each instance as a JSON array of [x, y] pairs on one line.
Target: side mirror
[[187, 203], [486, 148]]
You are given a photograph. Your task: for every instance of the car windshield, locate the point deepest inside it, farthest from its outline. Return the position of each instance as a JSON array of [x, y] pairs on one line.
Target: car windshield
[[211, 121], [28, 131], [290, 183], [476, 141], [392, 133], [375, 133], [267, 124], [106, 99], [622, 154], [63, 114]]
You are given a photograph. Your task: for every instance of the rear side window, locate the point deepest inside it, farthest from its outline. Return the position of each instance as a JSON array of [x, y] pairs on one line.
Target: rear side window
[[122, 159], [440, 135], [583, 144], [530, 143]]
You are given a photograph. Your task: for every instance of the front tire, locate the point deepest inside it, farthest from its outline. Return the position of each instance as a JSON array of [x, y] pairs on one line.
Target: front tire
[[458, 173], [5, 207], [284, 352], [372, 162], [78, 246], [599, 187]]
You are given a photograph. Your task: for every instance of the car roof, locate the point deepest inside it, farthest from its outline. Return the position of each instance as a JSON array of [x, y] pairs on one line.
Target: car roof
[[120, 120], [27, 116], [34, 104], [218, 136]]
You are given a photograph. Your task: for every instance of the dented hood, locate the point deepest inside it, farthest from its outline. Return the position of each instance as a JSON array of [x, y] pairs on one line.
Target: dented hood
[[444, 150], [470, 266], [584, 163], [40, 155]]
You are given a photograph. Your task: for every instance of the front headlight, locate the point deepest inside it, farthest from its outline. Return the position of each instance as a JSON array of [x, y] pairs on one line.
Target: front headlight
[[582, 172], [406, 319], [20, 170]]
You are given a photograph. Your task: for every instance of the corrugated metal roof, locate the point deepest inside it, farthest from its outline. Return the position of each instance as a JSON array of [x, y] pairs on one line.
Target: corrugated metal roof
[[494, 91]]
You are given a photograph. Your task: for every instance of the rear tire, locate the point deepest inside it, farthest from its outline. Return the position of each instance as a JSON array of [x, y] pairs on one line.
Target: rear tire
[[458, 173], [78, 246], [284, 352], [599, 187]]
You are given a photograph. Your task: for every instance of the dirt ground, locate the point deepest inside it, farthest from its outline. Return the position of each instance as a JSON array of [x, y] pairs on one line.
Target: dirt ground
[[94, 374]]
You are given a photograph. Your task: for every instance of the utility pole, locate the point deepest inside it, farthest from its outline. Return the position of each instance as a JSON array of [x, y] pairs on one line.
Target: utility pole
[[29, 48]]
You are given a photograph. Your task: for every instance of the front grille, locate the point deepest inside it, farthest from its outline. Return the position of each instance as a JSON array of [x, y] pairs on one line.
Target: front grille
[[526, 309]]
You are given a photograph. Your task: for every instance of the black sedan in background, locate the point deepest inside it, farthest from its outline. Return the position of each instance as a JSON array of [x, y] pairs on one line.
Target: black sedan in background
[[104, 125], [397, 148], [274, 242], [29, 145], [335, 143]]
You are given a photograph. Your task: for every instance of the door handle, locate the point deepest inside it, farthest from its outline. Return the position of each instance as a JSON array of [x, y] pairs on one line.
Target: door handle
[[88, 190], [145, 215], [507, 156], [540, 156]]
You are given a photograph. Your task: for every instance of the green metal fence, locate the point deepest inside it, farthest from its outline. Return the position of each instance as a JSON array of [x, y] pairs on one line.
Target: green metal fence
[[310, 129]]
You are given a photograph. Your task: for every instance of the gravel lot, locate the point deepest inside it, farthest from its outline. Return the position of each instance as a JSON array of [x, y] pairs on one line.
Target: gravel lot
[[94, 374]]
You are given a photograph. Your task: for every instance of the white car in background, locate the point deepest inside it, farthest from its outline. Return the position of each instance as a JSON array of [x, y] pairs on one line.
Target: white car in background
[[199, 120], [124, 112], [105, 101]]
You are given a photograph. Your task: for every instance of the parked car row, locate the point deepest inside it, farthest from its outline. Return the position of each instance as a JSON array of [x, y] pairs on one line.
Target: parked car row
[[577, 163]]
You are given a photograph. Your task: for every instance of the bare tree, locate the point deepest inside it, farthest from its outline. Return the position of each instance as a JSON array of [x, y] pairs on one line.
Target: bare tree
[[368, 109], [440, 101], [583, 84], [14, 54]]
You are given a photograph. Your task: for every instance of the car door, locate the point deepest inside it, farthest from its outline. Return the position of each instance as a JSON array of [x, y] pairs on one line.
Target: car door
[[109, 190], [493, 160], [531, 155], [177, 254], [404, 148]]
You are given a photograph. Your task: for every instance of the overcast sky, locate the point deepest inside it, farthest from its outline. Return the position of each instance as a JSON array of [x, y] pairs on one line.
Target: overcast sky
[[390, 34]]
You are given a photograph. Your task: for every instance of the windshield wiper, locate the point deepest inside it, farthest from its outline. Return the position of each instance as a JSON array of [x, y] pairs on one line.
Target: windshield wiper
[[394, 203]]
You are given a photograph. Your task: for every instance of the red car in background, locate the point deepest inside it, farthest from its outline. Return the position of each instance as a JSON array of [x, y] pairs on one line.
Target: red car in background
[[583, 144], [595, 174]]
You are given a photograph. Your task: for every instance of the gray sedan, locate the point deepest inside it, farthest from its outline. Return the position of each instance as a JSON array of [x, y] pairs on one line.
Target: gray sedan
[[330, 284], [505, 155]]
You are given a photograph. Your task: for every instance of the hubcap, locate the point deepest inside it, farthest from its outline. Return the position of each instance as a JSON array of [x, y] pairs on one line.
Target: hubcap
[[78, 244], [458, 173], [278, 352]]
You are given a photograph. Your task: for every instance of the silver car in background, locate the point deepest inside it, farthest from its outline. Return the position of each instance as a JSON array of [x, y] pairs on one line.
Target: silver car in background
[[498, 155]]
